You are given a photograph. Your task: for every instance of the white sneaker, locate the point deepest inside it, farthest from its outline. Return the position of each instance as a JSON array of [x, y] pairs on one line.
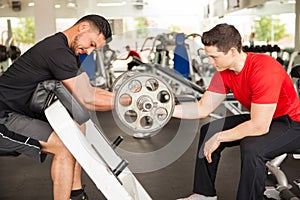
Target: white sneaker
[[198, 197]]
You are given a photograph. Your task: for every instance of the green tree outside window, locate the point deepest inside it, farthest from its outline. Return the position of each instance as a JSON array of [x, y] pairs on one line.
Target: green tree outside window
[[25, 32], [268, 28]]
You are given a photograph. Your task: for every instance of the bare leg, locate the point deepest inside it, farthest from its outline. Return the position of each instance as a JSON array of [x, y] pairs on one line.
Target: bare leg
[[77, 184], [62, 169], [77, 177]]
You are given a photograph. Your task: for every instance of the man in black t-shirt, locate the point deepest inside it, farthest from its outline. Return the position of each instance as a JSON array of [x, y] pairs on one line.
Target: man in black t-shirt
[[56, 57]]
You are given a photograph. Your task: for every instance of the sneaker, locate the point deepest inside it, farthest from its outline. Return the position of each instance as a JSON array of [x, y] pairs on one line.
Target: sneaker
[[198, 197]]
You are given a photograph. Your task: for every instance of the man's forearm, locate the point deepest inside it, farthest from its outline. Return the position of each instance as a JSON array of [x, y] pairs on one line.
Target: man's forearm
[[189, 111]]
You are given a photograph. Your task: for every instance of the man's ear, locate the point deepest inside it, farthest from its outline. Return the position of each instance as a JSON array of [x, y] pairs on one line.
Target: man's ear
[[234, 51], [83, 26]]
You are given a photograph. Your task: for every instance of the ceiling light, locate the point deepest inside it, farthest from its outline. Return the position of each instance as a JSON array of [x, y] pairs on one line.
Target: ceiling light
[[57, 5], [30, 4], [71, 4], [123, 3], [288, 1]]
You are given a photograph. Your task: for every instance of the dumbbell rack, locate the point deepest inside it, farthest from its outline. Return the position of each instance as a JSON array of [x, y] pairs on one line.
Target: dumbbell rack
[[96, 156]]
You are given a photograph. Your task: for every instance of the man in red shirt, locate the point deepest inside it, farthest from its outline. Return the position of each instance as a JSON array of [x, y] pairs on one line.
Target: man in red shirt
[[133, 54], [261, 85]]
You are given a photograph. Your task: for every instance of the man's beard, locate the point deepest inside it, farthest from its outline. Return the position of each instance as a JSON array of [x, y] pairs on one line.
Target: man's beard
[[74, 45]]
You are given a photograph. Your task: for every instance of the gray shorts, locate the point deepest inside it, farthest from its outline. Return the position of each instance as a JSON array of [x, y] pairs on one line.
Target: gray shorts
[[23, 135]]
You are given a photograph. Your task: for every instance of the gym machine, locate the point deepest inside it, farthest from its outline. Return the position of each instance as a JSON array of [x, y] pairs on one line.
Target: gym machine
[[8, 51], [167, 47], [98, 67], [161, 47]]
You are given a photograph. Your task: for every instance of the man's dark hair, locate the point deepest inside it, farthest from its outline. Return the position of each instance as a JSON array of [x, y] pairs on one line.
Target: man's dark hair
[[224, 37], [100, 23]]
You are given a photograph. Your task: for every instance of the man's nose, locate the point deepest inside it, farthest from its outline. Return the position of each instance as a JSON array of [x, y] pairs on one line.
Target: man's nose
[[89, 50]]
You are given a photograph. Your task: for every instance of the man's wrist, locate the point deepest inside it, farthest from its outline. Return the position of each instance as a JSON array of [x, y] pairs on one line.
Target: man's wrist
[[220, 137]]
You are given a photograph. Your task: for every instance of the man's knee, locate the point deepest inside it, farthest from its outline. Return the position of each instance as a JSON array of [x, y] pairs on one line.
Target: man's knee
[[54, 145], [250, 149]]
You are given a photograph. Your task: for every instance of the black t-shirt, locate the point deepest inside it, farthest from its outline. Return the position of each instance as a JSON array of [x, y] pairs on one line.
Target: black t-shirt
[[51, 58]]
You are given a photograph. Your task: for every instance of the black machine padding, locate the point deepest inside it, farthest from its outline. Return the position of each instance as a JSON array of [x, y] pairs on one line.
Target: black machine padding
[[78, 112]]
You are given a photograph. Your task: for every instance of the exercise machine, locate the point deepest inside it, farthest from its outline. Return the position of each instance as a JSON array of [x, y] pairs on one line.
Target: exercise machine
[[98, 67], [9, 52]]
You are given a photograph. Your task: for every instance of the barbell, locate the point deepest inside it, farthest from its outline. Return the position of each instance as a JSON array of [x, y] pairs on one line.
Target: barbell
[[151, 103]]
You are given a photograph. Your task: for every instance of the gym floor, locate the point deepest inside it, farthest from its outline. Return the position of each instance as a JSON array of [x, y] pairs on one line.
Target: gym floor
[[23, 178]]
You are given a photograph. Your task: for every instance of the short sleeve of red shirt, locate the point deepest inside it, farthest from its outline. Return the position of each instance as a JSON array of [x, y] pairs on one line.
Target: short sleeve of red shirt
[[217, 84]]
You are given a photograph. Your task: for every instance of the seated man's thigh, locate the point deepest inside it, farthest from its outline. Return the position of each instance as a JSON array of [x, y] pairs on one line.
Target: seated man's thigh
[[29, 127]]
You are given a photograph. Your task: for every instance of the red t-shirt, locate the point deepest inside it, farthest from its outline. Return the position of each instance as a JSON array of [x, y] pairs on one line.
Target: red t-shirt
[[262, 81], [134, 53]]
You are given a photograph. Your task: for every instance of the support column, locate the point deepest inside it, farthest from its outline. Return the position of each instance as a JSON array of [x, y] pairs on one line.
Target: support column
[[44, 15], [297, 26]]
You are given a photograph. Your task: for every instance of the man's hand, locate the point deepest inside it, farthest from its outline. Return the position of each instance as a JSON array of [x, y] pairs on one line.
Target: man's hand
[[211, 145]]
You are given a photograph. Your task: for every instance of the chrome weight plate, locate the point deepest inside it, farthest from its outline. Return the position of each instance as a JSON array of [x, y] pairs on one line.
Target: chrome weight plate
[[151, 107], [122, 78]]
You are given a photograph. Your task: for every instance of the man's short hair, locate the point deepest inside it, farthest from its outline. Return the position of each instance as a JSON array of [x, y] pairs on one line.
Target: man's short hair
[[100, 23], [224, 37]]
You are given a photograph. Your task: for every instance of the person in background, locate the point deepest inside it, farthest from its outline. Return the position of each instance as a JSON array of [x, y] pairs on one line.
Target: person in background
[[132, 54]]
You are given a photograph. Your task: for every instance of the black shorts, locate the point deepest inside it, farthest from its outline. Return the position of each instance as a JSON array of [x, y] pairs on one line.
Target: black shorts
[[21, 134]]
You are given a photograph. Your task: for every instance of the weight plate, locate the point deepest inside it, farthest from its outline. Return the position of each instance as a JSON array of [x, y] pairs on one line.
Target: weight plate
[[120, 79], [151, 107]]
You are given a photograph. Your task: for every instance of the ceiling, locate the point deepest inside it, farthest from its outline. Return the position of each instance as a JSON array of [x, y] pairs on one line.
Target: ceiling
[[271, 7], [137, 8], [66, 8]]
